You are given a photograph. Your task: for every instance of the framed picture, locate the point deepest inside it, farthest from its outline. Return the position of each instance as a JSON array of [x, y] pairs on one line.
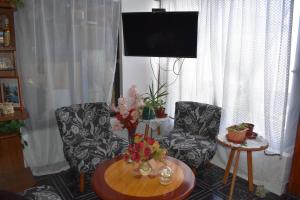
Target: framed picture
[[7, 61], [10, 91]]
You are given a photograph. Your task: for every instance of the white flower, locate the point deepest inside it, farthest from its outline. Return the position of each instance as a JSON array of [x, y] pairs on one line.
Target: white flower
[[74, 129], [64, 116], [102, 120], [89, 115], [190, 156], [188, 120], [95, 161]]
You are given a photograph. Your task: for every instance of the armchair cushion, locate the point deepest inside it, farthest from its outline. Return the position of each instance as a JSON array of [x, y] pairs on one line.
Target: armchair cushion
[[194, 151]]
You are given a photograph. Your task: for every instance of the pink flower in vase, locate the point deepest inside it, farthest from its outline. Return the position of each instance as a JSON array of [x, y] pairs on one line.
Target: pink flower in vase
[[127, 113], [147, 153]]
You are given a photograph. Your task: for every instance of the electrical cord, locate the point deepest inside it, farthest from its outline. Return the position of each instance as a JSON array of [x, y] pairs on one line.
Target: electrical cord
[[151, 65], [160, 67]]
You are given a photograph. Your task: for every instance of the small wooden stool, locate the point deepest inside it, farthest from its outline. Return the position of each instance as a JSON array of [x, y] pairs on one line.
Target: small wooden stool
[[258, 144], [153, 124]]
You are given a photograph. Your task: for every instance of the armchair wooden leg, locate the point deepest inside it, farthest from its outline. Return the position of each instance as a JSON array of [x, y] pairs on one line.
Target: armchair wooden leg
[[146, 130], [194, 171], [81, 181]]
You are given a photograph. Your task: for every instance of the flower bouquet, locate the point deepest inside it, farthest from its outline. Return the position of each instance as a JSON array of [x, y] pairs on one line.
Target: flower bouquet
[[143, 150], [127, 113]]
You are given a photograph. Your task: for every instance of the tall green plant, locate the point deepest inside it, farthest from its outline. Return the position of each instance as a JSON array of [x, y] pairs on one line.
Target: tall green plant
[[16, 3], [154, 98]]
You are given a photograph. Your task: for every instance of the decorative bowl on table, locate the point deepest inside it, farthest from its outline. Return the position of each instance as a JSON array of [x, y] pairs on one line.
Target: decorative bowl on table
[[165, 175]]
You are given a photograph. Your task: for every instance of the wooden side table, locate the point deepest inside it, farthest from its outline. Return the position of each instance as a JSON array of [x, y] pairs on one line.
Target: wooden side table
[[153, 124], [258, 144]]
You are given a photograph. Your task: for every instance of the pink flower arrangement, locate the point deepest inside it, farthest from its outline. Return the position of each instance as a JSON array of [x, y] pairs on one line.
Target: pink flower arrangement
[[143, 149], [127, 112]]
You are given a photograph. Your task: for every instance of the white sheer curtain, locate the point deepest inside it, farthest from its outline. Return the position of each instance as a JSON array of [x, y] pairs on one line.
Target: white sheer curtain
[[242, 65], [66, 53], [242, 62]]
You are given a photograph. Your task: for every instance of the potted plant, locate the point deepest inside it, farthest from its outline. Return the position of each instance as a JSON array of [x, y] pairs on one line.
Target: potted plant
[[154, 102], [14, 3], [237, 133], [250, 134], [160, 110], [12, 126]]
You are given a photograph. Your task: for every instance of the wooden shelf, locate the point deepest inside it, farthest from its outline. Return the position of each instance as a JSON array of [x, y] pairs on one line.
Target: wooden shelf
[[8, 74], [13, 174], [6, 4], [8, 135], [17, 115], [10, 48]]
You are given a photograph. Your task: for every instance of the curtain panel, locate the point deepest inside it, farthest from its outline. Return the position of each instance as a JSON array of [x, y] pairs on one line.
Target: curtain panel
[[66, 54], [242, 63], [243, 66]]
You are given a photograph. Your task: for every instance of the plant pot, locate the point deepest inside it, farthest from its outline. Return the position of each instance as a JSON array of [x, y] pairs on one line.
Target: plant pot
[[160, 112], [148, 113], [237, 137], [250, 127]]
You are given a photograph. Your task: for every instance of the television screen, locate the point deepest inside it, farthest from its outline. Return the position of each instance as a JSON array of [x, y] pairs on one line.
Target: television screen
[[160, 34]]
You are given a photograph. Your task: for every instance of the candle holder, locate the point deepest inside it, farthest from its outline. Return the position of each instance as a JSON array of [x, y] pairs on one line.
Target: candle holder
[[165, 175]]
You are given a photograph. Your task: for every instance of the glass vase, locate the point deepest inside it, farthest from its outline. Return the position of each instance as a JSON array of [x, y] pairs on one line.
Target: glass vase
[[131, 136], [145, 168], [165, 175]]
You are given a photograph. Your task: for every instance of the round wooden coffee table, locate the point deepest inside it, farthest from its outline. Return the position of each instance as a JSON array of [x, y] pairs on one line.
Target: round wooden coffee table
[[115, 179]]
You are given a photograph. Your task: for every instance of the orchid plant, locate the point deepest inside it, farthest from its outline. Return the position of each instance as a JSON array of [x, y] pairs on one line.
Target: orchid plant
[[127, 112]]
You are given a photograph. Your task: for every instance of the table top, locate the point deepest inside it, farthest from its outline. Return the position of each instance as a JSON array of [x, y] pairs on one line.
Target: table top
[[258, 144], [114, 179]]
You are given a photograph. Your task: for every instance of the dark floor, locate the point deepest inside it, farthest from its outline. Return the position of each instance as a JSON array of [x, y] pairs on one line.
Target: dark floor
[[209, 186]]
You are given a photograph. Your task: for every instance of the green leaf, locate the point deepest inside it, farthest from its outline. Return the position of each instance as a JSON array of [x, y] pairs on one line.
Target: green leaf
[[11, 126]]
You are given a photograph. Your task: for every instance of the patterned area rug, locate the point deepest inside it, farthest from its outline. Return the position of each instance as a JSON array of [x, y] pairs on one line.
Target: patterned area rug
[[209, 186]]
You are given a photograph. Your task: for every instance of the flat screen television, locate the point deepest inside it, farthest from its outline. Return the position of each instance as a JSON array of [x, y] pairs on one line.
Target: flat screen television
[[160, 34]]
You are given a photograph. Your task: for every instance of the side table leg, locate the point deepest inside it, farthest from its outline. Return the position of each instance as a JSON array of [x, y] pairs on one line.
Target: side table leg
[[158, 130], [235, 169], [250, 171], [228, 166], [146, 129]]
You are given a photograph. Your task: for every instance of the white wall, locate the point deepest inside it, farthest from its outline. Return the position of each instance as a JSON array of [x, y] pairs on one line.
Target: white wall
[[136, 70]]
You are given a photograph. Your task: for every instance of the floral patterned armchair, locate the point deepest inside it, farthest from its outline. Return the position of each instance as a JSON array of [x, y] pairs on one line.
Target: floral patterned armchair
[[87, 138], [193, 139], [43, 192]]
